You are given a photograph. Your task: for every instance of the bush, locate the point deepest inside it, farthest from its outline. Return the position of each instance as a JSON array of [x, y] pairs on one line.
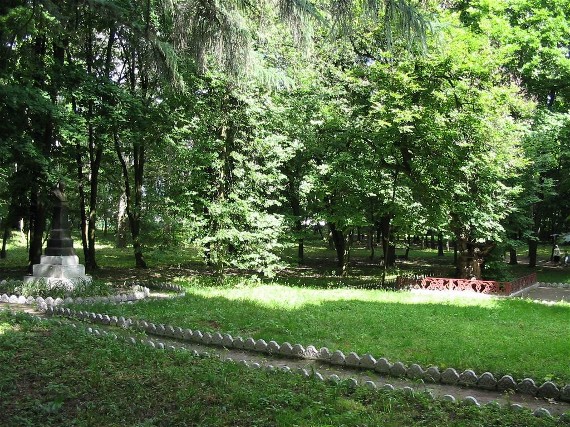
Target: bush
[[495, 267]]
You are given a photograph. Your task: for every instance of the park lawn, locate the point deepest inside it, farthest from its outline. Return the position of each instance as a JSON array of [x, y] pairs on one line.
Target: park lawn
[[503, 336], [54, 375]]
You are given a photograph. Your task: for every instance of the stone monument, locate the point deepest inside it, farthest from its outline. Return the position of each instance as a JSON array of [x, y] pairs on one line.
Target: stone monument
[[59, 265]]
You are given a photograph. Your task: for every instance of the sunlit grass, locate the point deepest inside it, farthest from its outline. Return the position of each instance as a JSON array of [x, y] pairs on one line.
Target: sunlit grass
[[4, 327], [290, 298], [503, 336]]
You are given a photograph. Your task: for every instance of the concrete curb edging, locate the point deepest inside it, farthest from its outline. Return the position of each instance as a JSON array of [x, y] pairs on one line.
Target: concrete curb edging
[[331, 379], [449, 376]]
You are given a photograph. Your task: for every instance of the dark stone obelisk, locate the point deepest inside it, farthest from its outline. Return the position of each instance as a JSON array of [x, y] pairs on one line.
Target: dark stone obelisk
[[59, 242], [60, 265]]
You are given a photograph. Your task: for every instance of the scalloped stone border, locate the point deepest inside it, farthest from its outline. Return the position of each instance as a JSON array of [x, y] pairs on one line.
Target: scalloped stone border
[[160, 286], [449, 376], [554, 285], [44, 303], [332, 379]]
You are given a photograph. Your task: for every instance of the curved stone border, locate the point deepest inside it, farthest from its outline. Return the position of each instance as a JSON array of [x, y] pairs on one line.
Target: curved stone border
[[332, 379], [160, 286], [554, 285], [449, 376], [44, 303]]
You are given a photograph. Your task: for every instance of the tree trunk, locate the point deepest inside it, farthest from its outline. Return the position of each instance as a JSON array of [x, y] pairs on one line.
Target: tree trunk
[[300, 243], [331, 240], [467, 266], [462, 266], [122, 222], [532, 250], [371, 244], [37, 228], [95, 155], [389, 250], [133, 202], [81, 190], [440, 244], [513, 256], [135, 214], [455, 252], [536, 214], [294, 202], [342, 246], [5, 236]]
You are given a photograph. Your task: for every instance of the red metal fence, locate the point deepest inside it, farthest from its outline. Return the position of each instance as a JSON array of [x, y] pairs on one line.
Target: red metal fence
[[481, 286]]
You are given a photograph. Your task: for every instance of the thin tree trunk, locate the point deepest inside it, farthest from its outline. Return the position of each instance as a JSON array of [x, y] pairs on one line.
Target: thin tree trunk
[[82, 197], [37, 228], [389, 251], [536, 214], [342, 247], [95, 155], [5, 236], [455, 252], [532, 252], [371, 244], [133, 203], [513, 256], [122, 222], [296, 210], [440, 244]]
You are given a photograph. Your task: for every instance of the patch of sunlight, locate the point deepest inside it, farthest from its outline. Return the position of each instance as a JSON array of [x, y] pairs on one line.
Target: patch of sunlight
[[292, 298], [4, 327]]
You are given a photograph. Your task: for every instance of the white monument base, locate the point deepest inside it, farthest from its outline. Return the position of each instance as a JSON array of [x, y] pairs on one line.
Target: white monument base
[[60, 270], [60, 282]]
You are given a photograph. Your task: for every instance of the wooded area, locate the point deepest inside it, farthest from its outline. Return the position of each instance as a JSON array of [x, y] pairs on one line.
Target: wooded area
[[238, 126]]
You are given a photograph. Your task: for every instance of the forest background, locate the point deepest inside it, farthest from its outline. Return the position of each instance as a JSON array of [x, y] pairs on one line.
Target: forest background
[[240, 127]]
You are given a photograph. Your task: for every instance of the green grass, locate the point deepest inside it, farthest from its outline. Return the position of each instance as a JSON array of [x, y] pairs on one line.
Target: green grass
[[55, 375], [503, 336]]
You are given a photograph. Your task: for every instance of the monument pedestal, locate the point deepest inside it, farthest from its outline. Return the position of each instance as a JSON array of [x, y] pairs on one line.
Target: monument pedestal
[[59, 270], [59, 266]]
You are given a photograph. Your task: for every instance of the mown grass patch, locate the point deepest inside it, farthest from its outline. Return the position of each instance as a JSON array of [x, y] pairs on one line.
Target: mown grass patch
[[55, 375], [503, 336]]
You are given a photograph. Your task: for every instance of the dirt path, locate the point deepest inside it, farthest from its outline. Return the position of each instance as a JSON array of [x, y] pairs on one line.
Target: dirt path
[[545, 293]]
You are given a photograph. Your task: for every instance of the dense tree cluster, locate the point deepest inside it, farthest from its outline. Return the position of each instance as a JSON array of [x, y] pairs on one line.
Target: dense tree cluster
[[238, 126]]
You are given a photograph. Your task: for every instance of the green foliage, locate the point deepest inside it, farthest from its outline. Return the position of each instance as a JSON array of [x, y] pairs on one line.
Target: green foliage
[[495, 268], [220, 132]]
